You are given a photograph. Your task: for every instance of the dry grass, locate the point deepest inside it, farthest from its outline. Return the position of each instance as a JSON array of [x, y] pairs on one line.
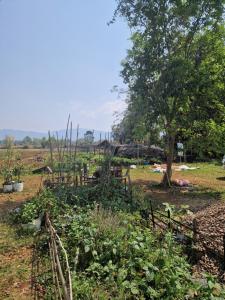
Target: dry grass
[[208, 185], [105, 219], [10, 201], [28, 157], [15, 264], [15, 251]]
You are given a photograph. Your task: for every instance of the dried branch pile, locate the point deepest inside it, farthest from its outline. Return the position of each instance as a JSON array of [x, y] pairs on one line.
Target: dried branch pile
[[210, 224]]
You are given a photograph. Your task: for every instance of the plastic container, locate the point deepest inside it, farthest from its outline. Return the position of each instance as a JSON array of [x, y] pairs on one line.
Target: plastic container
[[18, 186], [7, 188]]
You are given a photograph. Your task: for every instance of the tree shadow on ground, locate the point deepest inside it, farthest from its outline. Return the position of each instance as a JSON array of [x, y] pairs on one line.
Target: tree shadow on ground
[[9, 204], [5, 211], [196, 197]]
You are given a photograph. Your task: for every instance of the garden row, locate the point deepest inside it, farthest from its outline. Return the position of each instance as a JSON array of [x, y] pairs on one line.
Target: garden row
[[112, 252]]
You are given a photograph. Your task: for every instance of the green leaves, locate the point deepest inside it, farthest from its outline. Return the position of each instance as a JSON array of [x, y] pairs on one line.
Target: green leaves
[[113, 256], [86, 248], [37, 206], [128, 260], [174, 69]]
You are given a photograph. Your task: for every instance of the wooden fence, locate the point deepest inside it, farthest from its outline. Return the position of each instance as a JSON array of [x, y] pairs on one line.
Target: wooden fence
[[190, 234], [56, 270]]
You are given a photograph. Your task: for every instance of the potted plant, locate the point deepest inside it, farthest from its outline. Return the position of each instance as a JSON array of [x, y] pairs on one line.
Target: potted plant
[[7, 165], [18, 183], [8, 183]]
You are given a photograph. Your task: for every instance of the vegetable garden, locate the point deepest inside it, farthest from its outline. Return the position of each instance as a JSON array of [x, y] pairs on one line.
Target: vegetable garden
[[112, 254], [95, 239], [96, 233]]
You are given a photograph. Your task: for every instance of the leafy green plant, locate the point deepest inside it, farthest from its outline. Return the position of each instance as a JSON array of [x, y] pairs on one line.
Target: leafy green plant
[[8, 161], [45, 201], [18, 170], [123, 161], [7, 175], [169, 208], [114, 255]]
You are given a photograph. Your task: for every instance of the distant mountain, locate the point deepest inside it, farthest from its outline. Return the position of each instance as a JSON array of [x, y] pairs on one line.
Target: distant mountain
[[21, 134]]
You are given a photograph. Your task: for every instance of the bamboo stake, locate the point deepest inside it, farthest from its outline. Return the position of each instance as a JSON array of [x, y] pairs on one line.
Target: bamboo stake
[[61, 156], [53, 234], [75, 154], [66, 137], [71, 134], [67, 266], [51, 151], [69, 154], [65, 291], [54, 273], [55, 251], [58, 148]]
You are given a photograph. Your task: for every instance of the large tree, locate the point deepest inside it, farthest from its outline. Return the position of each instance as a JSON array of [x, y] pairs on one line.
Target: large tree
[[167, 57]]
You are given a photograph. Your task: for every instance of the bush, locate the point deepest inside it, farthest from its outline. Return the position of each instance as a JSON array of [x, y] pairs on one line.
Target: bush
[[112, 254], [122, 161], [45, 201], [114, 257]]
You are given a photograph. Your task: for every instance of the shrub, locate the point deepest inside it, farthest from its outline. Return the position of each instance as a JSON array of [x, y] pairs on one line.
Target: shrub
[[117, 258]]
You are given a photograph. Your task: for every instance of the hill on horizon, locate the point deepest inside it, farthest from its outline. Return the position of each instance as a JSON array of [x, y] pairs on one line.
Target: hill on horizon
[[21, 134]]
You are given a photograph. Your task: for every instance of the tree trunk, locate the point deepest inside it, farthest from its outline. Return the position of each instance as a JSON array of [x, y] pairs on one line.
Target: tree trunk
[[169, 157]]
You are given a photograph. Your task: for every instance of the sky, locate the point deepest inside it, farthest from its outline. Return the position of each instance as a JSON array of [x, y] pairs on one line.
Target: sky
[[59, 57]]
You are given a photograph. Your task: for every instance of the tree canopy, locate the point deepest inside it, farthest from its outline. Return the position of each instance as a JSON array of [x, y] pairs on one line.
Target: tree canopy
[[175, 67]]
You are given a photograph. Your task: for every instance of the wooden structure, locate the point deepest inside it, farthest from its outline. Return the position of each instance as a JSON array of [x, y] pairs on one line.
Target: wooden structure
[[186, 234]]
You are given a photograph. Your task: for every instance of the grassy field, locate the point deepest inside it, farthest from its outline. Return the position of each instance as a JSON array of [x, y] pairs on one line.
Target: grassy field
[[208, 185]]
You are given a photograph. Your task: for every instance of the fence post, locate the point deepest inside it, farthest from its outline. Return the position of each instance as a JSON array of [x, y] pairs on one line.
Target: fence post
[[169, 221], [152, 215], [194, 231]]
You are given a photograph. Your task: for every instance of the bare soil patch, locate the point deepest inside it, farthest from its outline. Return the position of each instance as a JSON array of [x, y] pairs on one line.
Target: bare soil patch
[[15, 251]]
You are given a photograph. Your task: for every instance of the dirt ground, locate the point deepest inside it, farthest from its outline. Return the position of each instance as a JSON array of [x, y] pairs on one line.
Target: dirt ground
[[15, 251], [32, 184]]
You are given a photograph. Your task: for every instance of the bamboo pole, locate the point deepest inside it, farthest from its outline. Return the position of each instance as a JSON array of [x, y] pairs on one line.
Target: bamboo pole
[[53, 234], [62, 279], [66, 136], [75, 152], [54, 273], [67, 266], [56, 254], [51, 152], [71, 135], [58, 148]]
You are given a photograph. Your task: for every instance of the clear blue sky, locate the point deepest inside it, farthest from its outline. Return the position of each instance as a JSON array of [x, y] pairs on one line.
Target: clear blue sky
[[59, 57]]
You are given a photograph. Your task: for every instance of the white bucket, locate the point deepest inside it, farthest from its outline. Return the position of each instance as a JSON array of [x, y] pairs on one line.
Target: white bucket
[[18, 186], [7, 188]]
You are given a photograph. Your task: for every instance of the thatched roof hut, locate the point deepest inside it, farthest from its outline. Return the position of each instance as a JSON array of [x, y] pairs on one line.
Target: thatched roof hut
[[104, 145], [141, 151]]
